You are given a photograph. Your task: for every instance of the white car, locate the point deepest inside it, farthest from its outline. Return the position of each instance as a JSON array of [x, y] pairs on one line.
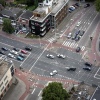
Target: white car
[[69, 35], [14, 52], [11, 55], [78, 24], [50, 56], [61, 56], [53, 73]]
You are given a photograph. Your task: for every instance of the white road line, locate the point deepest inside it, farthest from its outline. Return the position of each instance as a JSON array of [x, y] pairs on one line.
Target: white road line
[[33, 91], [39, 93], [39, 56], [6, 44], [96, 73], [25, 59]]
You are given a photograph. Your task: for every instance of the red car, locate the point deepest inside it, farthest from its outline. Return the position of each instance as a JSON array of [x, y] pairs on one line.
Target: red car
[[23, 51]]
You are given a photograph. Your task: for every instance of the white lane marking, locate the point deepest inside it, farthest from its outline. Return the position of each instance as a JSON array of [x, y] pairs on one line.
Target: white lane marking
[[96, 73], [39, 93], [25, 59], [83, 47], [39, 56], [6, 44], [84, 54], [93, 93], [33, 91]]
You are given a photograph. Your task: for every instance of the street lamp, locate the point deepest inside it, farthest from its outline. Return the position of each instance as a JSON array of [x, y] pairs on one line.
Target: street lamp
[[39, 40]]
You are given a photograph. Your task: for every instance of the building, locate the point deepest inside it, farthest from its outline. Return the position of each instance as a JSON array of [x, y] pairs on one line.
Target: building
[[6, 75], [47, 15]]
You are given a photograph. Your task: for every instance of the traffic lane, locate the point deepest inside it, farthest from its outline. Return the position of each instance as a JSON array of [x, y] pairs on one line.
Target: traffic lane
[[34, 95], [90, 29], [69, 54]]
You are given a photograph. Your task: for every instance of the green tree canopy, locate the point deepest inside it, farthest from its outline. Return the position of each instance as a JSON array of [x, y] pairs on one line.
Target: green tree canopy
[[7, 27], [55, 91], [3, 2], [97, 4]]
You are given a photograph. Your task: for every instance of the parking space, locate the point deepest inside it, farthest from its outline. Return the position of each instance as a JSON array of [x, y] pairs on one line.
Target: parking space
[[97, 74]]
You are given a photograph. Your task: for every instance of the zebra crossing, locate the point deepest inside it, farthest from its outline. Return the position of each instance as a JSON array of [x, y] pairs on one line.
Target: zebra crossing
[[52, 39], [72, 45]]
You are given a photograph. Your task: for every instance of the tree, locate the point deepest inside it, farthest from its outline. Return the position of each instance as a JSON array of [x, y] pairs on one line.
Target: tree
[[55, 91], [97, 4], [7, 27], [3, 2]]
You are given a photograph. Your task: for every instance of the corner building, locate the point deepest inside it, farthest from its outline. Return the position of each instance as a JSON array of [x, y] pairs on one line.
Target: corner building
[[47, 15]]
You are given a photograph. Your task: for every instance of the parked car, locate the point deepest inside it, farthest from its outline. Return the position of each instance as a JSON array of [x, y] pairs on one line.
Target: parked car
[[4, 48], [78, 49], [28, 48], [23, 51], [72, 8], [77, 4], [54, 72], [22, 55], [61, 56], [87, 68], [69, 35], [70, 68], [14, 52], [81, 33], [77, 32], [88, 64], [86, 5], [50, 56], [69, 11], [16, 49], [11, 55], [20, 58], [2, 52]]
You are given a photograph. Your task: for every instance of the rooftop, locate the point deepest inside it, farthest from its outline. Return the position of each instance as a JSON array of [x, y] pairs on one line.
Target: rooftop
[[27, 14], [4, 66], [42, 11]]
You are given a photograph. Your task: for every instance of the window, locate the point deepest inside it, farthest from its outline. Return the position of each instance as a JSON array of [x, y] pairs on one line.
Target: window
[[2, 89], [1, 84], [5, 78], [6, 82]]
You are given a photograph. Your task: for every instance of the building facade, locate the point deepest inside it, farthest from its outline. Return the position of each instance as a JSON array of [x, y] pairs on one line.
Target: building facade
[[6, 75], [47, 15]]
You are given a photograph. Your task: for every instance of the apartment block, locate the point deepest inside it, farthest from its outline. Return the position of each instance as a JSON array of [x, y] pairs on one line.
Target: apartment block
[[49, 14], [6, 75]]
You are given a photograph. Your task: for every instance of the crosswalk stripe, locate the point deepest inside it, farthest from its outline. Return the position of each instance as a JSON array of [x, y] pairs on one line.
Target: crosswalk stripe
[[82, 48]]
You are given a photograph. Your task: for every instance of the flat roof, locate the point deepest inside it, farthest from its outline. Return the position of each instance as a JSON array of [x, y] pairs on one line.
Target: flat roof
[[96, 95], [55, 9], [4, 66]]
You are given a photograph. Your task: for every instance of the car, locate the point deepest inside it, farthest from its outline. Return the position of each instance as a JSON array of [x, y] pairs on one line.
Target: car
[[77, 4], [28, 48], [61, 56], [16, 49], [54, 72], [72, 8], [50, 56], [88, 64], [2, 52], [11, 55], [81, 33], [14, 52], [87, 68], [74, 36], [70, 68], [23, 51], [77, 32], [69, 11], [20, 58], [22, 55], [69, 35], [78, 24], [77, 38], [78, 49], [4, 48], [86, 5]]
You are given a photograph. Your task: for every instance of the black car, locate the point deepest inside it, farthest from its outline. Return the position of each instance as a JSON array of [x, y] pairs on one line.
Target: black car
[[87, 68], [70, 68], [4, 48], [16, 49], [77, 4], [81, 33], [28, 48], [77, 38], [2, 52], [78, 49], [74, 36], [88, 64], [87, 5], [22, 55]]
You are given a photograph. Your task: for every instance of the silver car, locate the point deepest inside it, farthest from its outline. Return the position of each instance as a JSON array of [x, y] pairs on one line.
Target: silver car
[[53, 73], [50, 56]]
